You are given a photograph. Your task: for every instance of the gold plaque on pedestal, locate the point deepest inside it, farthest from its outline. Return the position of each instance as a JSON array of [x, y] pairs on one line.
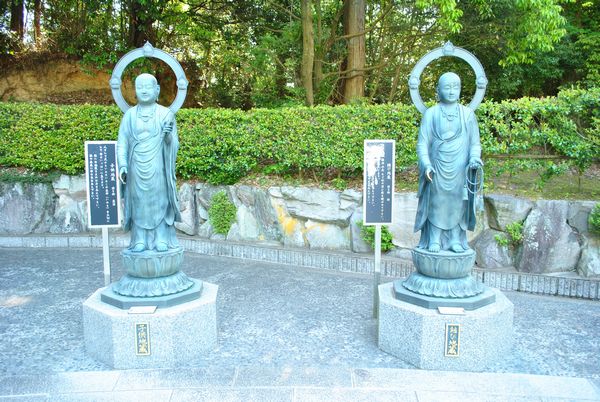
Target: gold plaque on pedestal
[[142, 339], [452, 346]]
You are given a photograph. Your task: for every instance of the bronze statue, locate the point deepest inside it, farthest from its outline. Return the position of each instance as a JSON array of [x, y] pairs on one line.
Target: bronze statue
[[449, 152], [147, 148]]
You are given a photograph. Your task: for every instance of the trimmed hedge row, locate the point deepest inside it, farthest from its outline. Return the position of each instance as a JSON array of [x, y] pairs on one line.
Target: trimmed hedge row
[[222, 145]]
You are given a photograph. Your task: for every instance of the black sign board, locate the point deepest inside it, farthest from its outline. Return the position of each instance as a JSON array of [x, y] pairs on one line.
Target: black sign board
[[378, 181], [101, 173]]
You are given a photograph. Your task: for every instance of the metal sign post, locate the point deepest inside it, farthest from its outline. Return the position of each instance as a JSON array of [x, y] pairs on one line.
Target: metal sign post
[[103, 196], [378, 196]]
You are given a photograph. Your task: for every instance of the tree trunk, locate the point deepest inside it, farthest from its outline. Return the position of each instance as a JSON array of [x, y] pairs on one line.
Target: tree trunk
[[17, 18], [37, 22], [319, 53], [308, 51], [354, 26], [140, 23]]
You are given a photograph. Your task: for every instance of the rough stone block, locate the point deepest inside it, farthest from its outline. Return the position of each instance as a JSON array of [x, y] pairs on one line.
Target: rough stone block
[[178, 335], [417, 335]]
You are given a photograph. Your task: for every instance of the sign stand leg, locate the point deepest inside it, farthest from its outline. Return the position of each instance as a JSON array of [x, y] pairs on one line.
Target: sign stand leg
[[377, 272], [106, 256]]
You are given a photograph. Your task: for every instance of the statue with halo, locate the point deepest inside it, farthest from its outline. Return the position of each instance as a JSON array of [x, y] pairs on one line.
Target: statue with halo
[[450, 182], [146, 151]]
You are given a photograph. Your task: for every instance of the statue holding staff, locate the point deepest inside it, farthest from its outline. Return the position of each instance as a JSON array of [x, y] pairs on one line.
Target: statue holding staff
[[449, 151], [147, 148]]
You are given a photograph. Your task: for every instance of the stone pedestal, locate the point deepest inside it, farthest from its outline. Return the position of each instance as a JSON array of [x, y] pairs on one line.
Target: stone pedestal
[[417, 335], [173, 336]]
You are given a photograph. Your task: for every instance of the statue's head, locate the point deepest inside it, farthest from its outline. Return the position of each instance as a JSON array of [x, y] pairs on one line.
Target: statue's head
[[146, 88], [448, 88]]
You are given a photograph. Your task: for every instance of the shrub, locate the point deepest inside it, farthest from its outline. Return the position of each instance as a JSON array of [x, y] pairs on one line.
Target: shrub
[[221, 146], [513, 236], [221, 213], [368, 235], [594, 219]]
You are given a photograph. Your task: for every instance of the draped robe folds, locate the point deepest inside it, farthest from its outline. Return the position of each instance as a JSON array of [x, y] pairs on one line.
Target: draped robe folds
[[445, 201], [150, 192]]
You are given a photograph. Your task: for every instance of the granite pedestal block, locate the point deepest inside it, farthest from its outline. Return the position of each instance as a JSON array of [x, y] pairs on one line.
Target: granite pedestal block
[[417, 335], [177, 335]]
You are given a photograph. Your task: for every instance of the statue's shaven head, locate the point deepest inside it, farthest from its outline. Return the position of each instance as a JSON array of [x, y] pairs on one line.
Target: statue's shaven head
[[146, 88], [144, 77], [448, 88], [448, 77]]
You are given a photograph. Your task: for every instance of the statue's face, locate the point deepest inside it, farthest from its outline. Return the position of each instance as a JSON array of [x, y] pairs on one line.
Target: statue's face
[[146, 88], [449, 88]]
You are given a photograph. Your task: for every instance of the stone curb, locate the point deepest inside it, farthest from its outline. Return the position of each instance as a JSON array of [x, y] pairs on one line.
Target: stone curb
[[295, 384], [582, 288]]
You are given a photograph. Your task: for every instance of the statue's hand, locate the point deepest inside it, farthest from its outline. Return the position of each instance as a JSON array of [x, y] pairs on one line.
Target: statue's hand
[[123, 175], [429, 172], [167, 130], [475, 163]]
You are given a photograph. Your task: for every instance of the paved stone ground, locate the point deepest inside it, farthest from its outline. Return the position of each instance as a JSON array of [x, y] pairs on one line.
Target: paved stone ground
[[272, 318]]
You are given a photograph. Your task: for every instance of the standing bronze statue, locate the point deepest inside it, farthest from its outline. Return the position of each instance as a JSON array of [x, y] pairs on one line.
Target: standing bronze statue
[[146, 152], [449, 152], [450, 182], [147, 148]]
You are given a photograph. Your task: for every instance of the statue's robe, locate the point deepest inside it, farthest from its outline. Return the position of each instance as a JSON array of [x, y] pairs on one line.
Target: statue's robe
[[445, 202], [150, 193]]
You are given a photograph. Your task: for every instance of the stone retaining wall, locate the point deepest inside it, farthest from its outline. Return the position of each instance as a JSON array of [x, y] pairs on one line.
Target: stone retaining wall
[[556, 235]]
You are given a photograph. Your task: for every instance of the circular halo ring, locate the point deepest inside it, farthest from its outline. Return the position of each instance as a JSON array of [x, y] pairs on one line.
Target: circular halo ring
[[148, 51], [414, 80]]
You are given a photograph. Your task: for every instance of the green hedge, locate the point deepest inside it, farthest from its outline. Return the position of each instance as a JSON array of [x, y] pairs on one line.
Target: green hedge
[[222, 145]]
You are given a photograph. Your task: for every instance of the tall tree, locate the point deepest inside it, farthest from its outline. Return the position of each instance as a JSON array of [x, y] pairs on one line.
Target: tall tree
[[308, 51], [354, 32], [37, 21], [142, 14], [17, 18]]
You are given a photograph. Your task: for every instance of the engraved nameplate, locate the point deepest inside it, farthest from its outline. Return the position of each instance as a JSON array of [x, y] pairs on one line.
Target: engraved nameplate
[[142, 339], [452, 346]]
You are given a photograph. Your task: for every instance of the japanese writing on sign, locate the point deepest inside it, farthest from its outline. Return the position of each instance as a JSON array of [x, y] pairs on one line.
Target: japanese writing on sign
[[101, 174], [378, 181]]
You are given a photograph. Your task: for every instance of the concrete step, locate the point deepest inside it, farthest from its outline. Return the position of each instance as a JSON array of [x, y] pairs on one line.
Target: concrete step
[[258, 383]]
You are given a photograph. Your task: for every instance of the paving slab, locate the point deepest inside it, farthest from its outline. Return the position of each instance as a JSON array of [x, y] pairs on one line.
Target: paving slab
[[228, 394], [285, 333], [175, 378], [292, 377]]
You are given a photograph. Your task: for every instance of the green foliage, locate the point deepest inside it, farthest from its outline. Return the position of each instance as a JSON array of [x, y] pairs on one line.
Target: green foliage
[[339, 184], [594, 220], [513, 236], [368, 235], [501, 240], [221, 213], [221, 146], [515, 232]]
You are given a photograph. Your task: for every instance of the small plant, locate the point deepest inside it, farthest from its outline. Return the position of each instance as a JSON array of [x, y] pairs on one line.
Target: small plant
[[368, 235], [501, 240], [339, 184], [221, 213], [594, 219], [515, 232], [514, 235]]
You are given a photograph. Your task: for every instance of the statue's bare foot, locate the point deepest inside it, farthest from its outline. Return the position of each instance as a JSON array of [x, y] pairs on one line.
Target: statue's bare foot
[[139, 247], [160, 247], [457, 248], [434, 248]]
